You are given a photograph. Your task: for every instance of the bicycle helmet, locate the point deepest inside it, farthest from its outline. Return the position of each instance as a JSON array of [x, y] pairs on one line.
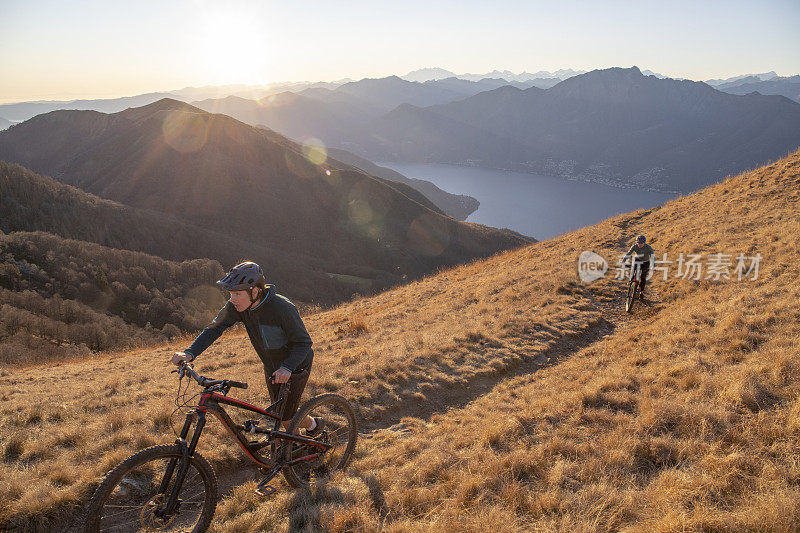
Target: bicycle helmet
[[242, 277], [641, 239]]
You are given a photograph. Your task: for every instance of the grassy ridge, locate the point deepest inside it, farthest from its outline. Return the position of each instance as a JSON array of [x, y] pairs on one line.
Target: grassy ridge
[[525, 399], [685, 417]]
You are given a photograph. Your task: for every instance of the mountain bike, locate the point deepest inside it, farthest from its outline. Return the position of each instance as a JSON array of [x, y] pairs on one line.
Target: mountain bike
[[174, 488], [633, 286]]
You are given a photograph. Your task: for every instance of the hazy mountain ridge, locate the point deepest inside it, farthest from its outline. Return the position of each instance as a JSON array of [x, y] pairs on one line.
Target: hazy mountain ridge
[[544, 79], [615, 126], [332, 117], [216, 173], [22, 111], [25, 110], [436, 73], [733, 79], [629, 130], [296, 115], [785, 86], [340, 117]]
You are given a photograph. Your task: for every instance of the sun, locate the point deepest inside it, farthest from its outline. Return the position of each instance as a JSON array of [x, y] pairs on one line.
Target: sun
[[231, 48]]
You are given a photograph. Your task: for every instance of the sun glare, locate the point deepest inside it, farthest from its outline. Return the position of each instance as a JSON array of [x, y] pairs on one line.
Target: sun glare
[[231, 48]]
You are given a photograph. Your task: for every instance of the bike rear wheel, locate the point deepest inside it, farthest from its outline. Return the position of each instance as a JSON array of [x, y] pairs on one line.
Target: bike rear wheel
[[129, 498], [339, 429]]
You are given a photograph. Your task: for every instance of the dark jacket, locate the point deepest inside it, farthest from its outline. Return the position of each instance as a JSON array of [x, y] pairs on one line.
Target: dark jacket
[[642, 254], [275, 329]]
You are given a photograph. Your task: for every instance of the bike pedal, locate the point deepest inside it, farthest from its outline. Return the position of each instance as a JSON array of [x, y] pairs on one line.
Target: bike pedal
[[265, 490]]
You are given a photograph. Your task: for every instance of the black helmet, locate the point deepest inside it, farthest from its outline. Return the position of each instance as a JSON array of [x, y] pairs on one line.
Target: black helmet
[[641, 239], [242, 277]]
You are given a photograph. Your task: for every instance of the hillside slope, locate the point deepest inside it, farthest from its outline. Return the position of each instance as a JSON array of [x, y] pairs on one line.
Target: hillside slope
[[30, 202], [504, 394], [62, 299]]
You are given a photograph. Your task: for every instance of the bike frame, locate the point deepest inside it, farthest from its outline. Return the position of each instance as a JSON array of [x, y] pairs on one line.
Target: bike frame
[[212, 402], [636, 275]]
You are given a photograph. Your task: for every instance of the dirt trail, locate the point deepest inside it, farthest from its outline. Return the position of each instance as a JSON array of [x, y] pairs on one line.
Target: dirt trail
[[612, 316]]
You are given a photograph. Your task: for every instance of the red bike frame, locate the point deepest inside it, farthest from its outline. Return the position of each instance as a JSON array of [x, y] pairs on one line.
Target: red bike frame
[[213, 402]]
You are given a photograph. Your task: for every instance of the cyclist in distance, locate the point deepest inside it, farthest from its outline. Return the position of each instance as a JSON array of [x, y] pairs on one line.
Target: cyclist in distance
[[644, 254], [276, 330]]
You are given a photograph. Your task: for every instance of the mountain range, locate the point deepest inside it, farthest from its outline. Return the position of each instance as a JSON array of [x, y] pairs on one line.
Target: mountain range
[[336, 115], [259, 190], [733, 79], [436, 73], [543, 79], [615, 126], [788, 86], [24, 110]]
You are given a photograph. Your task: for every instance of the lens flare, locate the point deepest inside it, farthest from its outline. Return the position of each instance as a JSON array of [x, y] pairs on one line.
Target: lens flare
[[315, 151], [332, 178], [365, 211], [429, 234], [360, 211], [185, 132], [297, 164]]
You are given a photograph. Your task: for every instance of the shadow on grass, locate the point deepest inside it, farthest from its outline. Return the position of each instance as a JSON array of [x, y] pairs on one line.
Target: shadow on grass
[[306, 505]]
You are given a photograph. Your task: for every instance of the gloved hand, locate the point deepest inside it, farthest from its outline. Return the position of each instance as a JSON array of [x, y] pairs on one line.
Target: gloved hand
[[281, 375], [177, 357]]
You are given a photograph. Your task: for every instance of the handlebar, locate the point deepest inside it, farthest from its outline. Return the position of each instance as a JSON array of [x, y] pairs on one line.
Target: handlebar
[[186, 368], [630, 262]]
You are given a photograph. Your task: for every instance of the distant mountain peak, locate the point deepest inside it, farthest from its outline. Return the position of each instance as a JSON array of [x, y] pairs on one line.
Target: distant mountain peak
[[603, 76], [281, 99], [764, 76], [427, 74], [165, 104], [634, 70]]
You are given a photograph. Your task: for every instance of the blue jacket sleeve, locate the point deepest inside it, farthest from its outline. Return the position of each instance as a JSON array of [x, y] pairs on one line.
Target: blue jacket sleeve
[[299, 341], [226, 317]]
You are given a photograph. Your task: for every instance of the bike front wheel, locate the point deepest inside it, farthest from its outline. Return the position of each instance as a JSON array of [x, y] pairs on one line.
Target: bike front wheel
[[133, 496], [631, 296], [339, 429]]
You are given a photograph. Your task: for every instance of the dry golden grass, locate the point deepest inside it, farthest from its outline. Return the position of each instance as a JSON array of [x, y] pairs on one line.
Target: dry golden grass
[[527, 400]]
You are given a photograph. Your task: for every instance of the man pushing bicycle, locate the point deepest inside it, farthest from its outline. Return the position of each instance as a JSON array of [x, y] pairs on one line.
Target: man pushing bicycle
[[276, 330]]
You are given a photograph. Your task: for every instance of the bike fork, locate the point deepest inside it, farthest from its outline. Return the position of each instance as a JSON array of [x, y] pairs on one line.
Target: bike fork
[[172, 462], [186, 452]]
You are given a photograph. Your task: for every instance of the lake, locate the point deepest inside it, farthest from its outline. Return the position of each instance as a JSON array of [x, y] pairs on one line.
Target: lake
[[538, 206]]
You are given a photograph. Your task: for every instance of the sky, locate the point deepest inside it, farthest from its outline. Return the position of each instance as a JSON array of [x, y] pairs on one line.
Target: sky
[[56, 50]]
